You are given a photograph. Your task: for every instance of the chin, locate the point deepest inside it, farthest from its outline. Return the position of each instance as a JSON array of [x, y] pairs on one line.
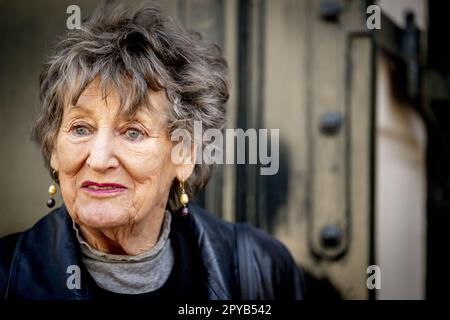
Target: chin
[[102, 216]]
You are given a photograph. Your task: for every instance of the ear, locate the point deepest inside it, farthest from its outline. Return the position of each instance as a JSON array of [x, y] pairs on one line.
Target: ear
[[184, 170], [54, 161]]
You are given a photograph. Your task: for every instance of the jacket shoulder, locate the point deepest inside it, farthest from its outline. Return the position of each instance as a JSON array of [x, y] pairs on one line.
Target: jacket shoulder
[[267, 244], [274, 265], [7, 248], [208, 224], [264, 266], [9, 244], [260, 240], [32, 272]]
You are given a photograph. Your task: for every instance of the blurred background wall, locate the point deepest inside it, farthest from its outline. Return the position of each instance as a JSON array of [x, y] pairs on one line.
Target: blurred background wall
[[400, 216], [363, 174]]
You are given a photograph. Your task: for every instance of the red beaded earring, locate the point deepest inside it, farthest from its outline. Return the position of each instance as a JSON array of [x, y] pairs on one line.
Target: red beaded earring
[[184, 200]]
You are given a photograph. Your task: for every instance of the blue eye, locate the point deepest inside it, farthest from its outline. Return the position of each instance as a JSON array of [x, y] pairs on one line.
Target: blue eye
[[81, 130], [133, 134]]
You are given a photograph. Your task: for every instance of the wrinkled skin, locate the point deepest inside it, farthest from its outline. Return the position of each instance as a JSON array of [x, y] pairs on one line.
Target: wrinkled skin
[[97, 143]]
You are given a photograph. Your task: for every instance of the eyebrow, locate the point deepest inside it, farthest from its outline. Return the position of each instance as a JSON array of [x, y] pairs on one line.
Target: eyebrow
[[142, 116], [139, 115], [79, 107]]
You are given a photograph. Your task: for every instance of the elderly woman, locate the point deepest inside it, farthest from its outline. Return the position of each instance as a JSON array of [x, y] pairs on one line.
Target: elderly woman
[[112, 94]]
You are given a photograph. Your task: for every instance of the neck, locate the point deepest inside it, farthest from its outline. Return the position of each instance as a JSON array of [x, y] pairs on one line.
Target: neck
[[131, 239]]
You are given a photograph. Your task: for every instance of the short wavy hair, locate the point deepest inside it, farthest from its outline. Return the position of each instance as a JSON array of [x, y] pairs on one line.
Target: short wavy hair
[[134, 51]]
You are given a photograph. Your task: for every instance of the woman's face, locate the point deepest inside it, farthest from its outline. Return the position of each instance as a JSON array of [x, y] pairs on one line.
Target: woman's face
[[113, 170]]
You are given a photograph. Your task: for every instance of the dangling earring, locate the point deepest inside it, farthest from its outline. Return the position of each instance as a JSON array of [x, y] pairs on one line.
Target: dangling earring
[[184, 200], [52, 190]]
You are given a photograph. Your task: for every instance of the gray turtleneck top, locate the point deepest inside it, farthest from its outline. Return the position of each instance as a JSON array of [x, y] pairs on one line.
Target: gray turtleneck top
[[142, 273]]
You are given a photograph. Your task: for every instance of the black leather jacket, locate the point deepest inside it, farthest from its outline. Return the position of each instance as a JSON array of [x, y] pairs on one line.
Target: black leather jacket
[[241, 262]]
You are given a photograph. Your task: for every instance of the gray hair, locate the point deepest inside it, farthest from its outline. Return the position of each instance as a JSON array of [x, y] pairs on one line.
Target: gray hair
[[134, 51]]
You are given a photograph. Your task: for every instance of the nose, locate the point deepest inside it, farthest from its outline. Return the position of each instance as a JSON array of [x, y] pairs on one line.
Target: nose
[[102, 152]]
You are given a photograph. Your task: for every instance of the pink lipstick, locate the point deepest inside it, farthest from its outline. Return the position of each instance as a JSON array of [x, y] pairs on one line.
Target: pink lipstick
[[101, 188]]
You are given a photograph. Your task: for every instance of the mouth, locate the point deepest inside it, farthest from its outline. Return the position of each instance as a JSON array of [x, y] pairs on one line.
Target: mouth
[[102, 188]]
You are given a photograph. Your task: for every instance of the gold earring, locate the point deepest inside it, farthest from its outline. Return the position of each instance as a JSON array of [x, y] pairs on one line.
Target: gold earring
[[184, 200], [52, 190]]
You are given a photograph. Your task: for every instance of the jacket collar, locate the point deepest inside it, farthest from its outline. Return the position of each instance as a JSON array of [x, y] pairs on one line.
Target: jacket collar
[[215, 239], [43, 261], [45, 256]]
